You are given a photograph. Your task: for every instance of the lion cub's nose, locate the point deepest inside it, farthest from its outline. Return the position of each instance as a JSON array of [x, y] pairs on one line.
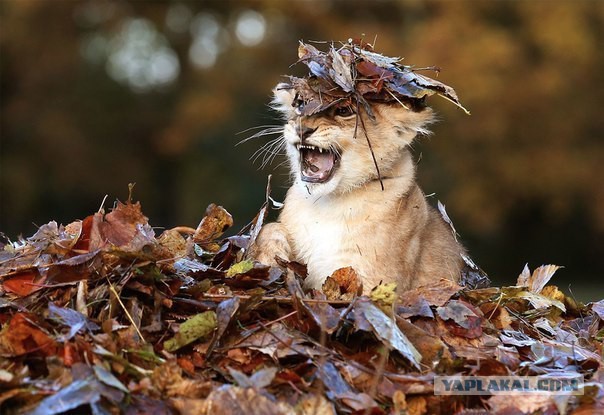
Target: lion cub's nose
[[304, 132]]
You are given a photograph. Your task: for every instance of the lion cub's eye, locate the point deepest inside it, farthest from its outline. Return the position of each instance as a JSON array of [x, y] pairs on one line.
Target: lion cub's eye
[[298, 104], [344, 111]]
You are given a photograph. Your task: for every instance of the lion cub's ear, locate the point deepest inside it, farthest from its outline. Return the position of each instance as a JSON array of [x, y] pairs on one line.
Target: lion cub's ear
[[283, 100]]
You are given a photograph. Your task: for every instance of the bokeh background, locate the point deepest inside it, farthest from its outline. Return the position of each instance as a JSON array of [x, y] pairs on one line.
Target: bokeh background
[[97, 94]]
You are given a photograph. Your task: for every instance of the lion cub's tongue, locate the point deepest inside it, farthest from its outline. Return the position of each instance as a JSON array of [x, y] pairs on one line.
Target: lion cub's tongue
[[316, 166]]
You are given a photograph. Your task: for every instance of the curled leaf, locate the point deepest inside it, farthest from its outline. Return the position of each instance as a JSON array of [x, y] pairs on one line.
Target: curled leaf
[[387, 331], [538, 279]]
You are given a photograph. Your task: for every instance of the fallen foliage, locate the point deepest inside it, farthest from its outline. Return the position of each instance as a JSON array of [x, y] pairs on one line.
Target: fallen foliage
[[102, 316], [353, 74]]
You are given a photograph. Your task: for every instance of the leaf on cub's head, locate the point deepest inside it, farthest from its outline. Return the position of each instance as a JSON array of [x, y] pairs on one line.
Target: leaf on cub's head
[[353, 73]]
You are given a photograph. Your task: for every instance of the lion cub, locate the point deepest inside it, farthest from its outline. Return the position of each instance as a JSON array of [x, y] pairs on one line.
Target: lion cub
[[336, 213]]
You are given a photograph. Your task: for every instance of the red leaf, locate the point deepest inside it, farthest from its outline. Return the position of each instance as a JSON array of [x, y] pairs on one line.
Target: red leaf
[[461, 319], [24, 282], [21, 337], [371, 70]]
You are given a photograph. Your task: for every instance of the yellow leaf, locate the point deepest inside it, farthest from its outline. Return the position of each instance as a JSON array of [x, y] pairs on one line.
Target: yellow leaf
[[384, 294], [240, 268], [198, 326]]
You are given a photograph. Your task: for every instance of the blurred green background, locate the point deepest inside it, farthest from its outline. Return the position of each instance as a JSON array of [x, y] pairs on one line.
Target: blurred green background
[[97, 94]]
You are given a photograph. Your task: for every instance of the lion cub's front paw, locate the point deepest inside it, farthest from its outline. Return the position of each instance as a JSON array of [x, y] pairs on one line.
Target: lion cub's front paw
[[271, 243]]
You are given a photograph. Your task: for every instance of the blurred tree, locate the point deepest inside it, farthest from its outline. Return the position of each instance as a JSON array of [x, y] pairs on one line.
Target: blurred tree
[[96, 94]]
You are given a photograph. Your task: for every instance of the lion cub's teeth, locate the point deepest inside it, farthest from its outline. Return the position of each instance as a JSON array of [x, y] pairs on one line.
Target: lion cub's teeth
[[309, 147]]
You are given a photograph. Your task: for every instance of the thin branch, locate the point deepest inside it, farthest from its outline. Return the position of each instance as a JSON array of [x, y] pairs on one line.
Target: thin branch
[[375, 163], [117, 297], [280, 299]]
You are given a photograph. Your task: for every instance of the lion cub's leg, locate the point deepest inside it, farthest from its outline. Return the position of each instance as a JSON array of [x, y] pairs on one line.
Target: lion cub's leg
[[271, 243]]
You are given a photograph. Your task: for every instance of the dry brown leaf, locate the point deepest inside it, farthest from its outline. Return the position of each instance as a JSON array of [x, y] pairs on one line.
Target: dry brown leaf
[[314, 404], [417, 405], [497, 315], [168, 379], [271, 336], [24, 282], [598, 308], [538, 279], [124, 223], [526, 404], [385, 329], [462, 319], [324, 315], [347, 280], [232, 400], [436, 294], [354, 73], [212, 226], [174, 243], [430, 347], [20, 336]]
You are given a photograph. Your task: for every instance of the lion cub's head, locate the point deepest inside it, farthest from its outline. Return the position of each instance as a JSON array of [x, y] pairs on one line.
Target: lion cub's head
[[331, 151]]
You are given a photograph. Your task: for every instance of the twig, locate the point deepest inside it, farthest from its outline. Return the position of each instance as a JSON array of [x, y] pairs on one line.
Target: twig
[[117, 296], [187, 230], [496, 306], [281, 299]]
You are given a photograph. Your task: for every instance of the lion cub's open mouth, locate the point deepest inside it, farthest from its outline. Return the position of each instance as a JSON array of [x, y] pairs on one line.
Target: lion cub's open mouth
[[316, 164]]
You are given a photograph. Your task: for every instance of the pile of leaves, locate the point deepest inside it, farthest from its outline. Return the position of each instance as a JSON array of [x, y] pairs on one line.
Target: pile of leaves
[[353, 74], [103, 317]]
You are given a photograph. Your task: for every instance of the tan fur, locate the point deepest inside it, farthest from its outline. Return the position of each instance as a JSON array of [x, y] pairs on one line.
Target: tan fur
[[385, 235]]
